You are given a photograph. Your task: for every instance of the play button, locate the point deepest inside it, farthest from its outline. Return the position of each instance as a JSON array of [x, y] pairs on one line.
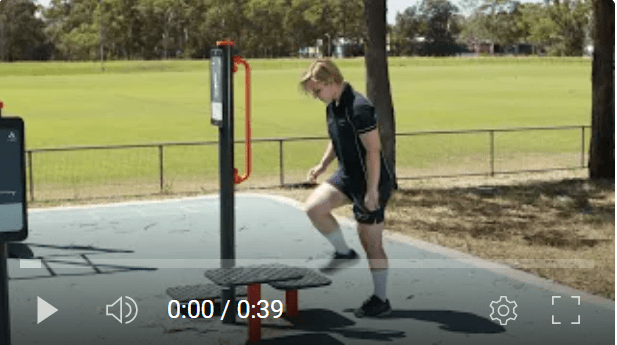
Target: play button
[[43, 310]]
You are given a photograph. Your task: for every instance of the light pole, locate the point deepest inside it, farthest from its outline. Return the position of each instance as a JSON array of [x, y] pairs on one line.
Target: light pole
[[328, 35]]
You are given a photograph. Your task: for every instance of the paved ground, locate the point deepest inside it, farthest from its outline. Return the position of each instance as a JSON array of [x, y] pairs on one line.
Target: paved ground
[[94, 255]]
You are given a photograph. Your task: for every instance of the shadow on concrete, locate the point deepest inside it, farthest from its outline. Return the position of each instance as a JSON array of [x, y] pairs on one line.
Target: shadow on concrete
[[19, 251], [321, 339], [23, 251], [320, 321], [452, 321]]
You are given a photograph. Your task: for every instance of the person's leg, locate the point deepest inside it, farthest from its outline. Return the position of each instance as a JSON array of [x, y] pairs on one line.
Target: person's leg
[[370, 231], [319, 208], [371, 237]]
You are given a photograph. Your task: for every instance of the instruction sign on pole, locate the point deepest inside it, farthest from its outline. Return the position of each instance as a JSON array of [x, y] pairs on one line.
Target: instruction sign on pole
[[13, 210], [216, 86]]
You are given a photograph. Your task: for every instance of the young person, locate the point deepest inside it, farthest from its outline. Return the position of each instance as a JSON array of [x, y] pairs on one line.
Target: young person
[[363, 178]]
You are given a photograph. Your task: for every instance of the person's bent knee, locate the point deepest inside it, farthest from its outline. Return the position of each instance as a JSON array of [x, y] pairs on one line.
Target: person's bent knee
[[316, 211]]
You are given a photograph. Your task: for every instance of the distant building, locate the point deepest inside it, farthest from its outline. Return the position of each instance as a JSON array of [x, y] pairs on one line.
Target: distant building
[[343, 47], [310, 52], [490, 48]]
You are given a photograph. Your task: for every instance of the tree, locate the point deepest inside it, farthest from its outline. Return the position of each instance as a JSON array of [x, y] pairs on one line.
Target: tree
[[409, 25], [571, 20], [319, 14], [56, 20], [21, 32], [602, 148], [196, 34], [299, 29], [433, 20], [377, 80], [561, 25], [225, 19], [121, 22], [74, 29], [264, 37], [348, 20], [438, 16], [535, 25], [168, 14], [498, 21]]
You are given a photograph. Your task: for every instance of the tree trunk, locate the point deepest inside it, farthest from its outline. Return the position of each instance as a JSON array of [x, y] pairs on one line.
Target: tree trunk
[[602, 147], [377, 80]]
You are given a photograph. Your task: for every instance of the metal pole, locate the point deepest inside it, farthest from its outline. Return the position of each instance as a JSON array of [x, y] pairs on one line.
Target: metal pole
[[328, 54], [5, 324], [226, 163], [162, 177], [492, 153], [31, 175], [281, 165], [582, 146]]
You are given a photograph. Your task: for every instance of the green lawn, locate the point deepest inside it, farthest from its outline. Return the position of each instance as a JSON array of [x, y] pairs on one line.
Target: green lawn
[[75, 104]]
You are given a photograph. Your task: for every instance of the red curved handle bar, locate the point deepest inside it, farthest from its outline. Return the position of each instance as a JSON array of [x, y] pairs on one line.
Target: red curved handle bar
[[247, 116]]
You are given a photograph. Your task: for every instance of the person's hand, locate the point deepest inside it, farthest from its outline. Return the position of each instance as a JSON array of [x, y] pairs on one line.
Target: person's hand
[[371, 200], [315, 172]]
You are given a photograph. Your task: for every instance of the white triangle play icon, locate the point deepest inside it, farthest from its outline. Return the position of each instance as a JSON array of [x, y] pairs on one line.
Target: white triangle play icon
[[43, 310]]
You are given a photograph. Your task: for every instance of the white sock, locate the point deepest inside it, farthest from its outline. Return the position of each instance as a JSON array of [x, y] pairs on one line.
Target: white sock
[[380, 278], [337, 240]]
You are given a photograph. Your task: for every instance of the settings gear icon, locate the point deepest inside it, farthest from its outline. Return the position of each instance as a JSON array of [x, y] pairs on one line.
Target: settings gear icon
[[505, 310]]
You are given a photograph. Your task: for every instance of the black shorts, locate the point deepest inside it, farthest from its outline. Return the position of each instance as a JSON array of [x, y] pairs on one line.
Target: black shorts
[[354, 189]]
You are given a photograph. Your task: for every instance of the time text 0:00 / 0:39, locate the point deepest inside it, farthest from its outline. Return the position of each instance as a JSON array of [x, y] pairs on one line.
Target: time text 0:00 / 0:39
[[206, 309]]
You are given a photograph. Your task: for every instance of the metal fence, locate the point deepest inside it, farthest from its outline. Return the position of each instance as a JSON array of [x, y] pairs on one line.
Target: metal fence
[[161, 148]]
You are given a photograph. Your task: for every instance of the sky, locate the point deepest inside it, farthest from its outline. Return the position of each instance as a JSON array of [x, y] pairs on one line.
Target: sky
[[394, 6]]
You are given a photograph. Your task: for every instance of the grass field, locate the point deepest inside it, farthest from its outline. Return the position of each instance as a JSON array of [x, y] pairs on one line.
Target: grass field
[[136, 102]]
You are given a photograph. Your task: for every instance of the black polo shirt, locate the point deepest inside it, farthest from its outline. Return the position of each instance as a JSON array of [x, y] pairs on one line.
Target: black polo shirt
[[353, 116]]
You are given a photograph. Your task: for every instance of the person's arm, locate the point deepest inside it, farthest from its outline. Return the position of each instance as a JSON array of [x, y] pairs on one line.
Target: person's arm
[[328, 156], [372, 144]]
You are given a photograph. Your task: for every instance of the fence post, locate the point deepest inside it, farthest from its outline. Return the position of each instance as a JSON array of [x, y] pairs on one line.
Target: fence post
[[492, 135], [281, 165], [582, 146], [161, 173], [31, 184]]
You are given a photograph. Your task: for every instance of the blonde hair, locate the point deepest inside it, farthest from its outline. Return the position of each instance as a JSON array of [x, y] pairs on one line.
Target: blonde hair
[[323, 71]]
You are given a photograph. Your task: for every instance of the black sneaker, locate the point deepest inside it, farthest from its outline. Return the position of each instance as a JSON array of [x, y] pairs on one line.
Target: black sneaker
[[340, 261], [373, 307]]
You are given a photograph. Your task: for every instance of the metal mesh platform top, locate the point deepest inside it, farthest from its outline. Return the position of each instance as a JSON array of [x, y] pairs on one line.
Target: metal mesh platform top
[[200, 292], [311, 279], [254, 274]]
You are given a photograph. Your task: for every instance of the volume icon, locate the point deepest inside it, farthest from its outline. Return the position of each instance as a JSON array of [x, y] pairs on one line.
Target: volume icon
[[115, 310]]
